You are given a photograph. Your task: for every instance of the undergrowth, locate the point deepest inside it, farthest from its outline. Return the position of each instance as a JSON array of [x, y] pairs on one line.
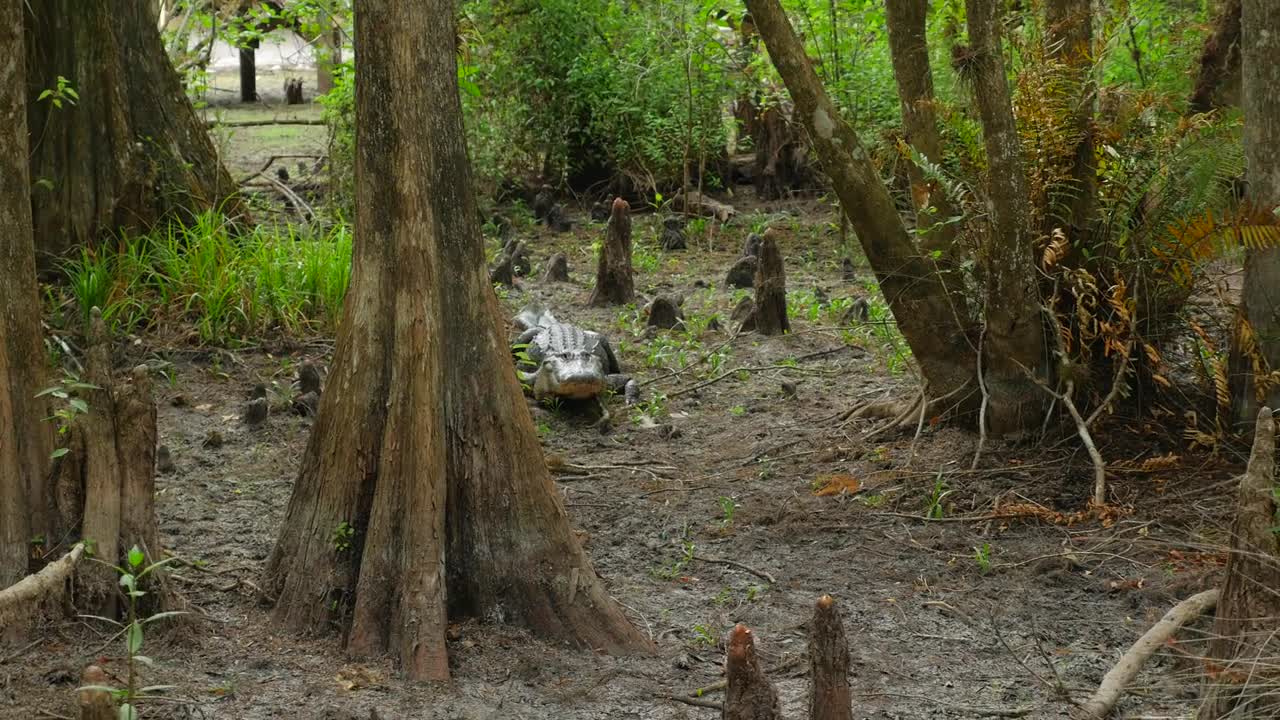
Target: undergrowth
[[226, 287]]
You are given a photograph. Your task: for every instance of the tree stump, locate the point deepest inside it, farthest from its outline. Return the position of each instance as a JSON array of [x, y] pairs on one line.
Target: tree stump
[[557, 269], [751, 246], [519, 254], [1239, 672], [829, 697], [742, 274], [749, 695], [308, 378], [744, 315], [673, 237], [771, 289], [95, 704], [293, 91], [614, 282], [109, 477], [504, 272], [664, 313]]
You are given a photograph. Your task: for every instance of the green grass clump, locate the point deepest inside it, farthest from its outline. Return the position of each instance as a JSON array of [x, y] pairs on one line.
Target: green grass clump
[[229, 287]]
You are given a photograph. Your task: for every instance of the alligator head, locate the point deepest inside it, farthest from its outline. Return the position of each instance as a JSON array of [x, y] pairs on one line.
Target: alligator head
[[572, 374]]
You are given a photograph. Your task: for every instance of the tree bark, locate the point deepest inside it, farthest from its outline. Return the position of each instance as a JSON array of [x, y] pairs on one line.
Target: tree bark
[[1257, 347], [829, 697], [1069, 39], [423, 448], [152, 158], [749, 695], [615, 283], [25, 438], [1220, 60], [909, 50], [771, 288], [249, 73], [1240, 668], [938, 337], [330, 45], [23, 599], [1014, 341]]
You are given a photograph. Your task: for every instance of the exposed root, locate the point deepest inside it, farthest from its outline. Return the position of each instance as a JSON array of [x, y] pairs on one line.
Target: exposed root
[[1118, 678], [32, 591]]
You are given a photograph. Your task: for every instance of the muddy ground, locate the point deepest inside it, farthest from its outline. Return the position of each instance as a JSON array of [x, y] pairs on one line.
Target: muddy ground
[[947, 617]]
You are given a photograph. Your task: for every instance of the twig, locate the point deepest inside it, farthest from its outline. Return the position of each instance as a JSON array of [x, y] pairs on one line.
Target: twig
[[982, 409], [723, 375], [20, 651], [696, 702], [675, 489], [1099, 465], [1118, 678], [303, 208], [735, 563], [273, 158]]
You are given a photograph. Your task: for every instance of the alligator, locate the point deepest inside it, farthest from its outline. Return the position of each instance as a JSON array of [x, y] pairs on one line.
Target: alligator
[[559, 360]]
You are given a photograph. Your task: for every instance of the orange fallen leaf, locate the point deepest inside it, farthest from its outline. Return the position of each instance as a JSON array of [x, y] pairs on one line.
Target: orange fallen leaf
[[835, 484]]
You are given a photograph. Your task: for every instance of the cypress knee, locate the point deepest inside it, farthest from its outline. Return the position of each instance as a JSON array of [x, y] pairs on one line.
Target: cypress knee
[[614, 282], [771, 289], [750, 695], [829, 664]]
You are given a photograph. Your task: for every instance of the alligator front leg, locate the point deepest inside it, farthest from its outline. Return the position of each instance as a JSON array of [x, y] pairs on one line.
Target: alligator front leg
[[603, 422], [625, 386]]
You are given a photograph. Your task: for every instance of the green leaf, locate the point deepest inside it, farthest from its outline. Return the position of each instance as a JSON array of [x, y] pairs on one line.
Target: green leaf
[[127, 712], [44, 95], [133, 637], [79, 405], [144, 660], [103, 619], [70, 93], [96, 688], [59, 453], [156, 688], [136, 557]]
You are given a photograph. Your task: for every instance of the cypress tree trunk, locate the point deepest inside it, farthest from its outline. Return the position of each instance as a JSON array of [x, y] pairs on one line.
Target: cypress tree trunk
[[423, 447], [937, 336], [25, 439], [1260, 299], [1240, 664], [1014, 328], [130, 151], [1219, 65], [909, 48], [1069, 36]]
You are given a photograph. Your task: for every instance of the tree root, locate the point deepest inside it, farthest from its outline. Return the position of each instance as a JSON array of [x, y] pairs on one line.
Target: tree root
[[1119, 677], [17, 600]]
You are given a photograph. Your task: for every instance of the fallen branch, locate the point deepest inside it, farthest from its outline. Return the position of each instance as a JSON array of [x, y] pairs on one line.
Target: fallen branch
[[271, 160], [38, 588], [1118, 678], [721, 561], [261, 123], [1082, 429], [299, 204]]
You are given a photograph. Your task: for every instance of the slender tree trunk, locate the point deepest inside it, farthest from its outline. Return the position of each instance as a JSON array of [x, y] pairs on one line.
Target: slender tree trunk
[[249, 73], [423, 448], [1260, 298], [25, 439], [1240, 665], [908, 46], [1014, 328], [330, 44], [1069, 36], [151, 157], [915, 293], [829, 697], [1219, 64]]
